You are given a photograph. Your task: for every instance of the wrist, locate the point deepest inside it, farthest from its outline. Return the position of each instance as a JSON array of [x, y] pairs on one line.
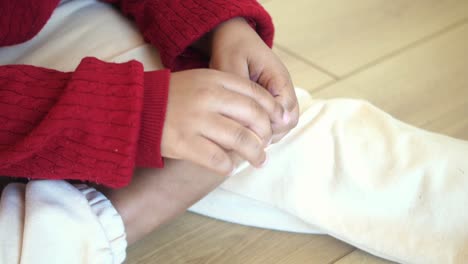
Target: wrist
[[227, 29], [231, 29]]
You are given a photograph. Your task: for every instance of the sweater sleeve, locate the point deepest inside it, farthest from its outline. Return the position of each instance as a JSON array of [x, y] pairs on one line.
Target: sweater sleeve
[[94, 124], [174, 25], [21, 20]]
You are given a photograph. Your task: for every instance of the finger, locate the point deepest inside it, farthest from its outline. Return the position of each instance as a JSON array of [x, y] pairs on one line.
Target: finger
[[288, 124], [233, 136], [279, 84], [209, 155], [277, 137], [236, 159], [280, 132], [277, 81], [245, 111], [257, 93]]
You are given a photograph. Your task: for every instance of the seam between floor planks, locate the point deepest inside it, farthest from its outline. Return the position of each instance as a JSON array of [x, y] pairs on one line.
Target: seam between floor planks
[[396, 53], [306, 61]]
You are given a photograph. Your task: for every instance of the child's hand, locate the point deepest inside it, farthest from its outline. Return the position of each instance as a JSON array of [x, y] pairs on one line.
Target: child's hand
[[210, 113], [237, 48]]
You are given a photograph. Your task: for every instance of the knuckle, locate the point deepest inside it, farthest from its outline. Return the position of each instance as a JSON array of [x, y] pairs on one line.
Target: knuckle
[[203, 98], [269, 105], [225, 171], [254, 89], [204, 94], [257, 147], [290, 103], [278, 107], [255, 108], [241, 136], [265, 131], [278, 110], [217, 159]]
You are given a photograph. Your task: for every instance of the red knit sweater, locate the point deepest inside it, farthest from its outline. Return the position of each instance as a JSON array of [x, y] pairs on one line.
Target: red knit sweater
[[100, 121]]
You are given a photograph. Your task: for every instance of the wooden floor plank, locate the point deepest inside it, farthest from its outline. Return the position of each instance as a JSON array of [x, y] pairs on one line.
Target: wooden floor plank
[[321, 249], [426, 86], [342, 37], [199, 240], [360, 257], [303, 74]]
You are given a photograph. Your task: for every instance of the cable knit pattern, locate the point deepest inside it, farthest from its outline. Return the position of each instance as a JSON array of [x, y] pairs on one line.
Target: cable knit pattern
[[173, 25], [83, 125], [20, 20], [99, 122]]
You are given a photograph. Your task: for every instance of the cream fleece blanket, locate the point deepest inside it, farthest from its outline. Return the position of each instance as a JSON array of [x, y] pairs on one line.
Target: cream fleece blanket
[[348, 169]]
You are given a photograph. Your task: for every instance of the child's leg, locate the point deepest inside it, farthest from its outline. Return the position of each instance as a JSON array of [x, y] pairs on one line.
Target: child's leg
[[157, 196]]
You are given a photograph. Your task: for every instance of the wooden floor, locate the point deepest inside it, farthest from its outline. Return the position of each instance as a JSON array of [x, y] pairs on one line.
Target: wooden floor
[[410, 58]]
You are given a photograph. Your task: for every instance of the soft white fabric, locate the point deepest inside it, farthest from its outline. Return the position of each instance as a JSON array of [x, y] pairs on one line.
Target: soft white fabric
[[80, 28], [55, 222], [356, 173], [348, 169], [233, 207]]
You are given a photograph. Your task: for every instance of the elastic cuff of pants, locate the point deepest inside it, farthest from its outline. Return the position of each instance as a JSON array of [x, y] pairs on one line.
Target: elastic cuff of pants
[[110, 220]]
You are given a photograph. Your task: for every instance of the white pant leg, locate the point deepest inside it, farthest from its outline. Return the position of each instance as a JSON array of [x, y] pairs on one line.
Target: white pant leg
[[12, 208], [56, 222], [81, 28], [356, 173]]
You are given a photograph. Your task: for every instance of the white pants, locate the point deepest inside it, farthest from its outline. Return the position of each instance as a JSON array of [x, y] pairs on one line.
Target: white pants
[[56, 222], [348, 170]]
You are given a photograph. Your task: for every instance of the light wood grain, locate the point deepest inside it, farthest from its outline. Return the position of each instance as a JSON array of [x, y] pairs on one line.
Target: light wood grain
[[426, 86], [196, 239], [303, 74], [359, 257], [342, 36]]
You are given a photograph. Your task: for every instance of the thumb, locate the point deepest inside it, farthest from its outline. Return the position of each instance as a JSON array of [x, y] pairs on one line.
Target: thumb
[[281, 87]]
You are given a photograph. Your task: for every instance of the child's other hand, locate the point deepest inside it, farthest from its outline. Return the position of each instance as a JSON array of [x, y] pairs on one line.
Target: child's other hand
[[211, 113], [237, 48]]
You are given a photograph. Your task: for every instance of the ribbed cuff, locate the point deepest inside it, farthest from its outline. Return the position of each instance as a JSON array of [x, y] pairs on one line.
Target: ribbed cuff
[[152, 119], [191, 20], [110, 220]]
